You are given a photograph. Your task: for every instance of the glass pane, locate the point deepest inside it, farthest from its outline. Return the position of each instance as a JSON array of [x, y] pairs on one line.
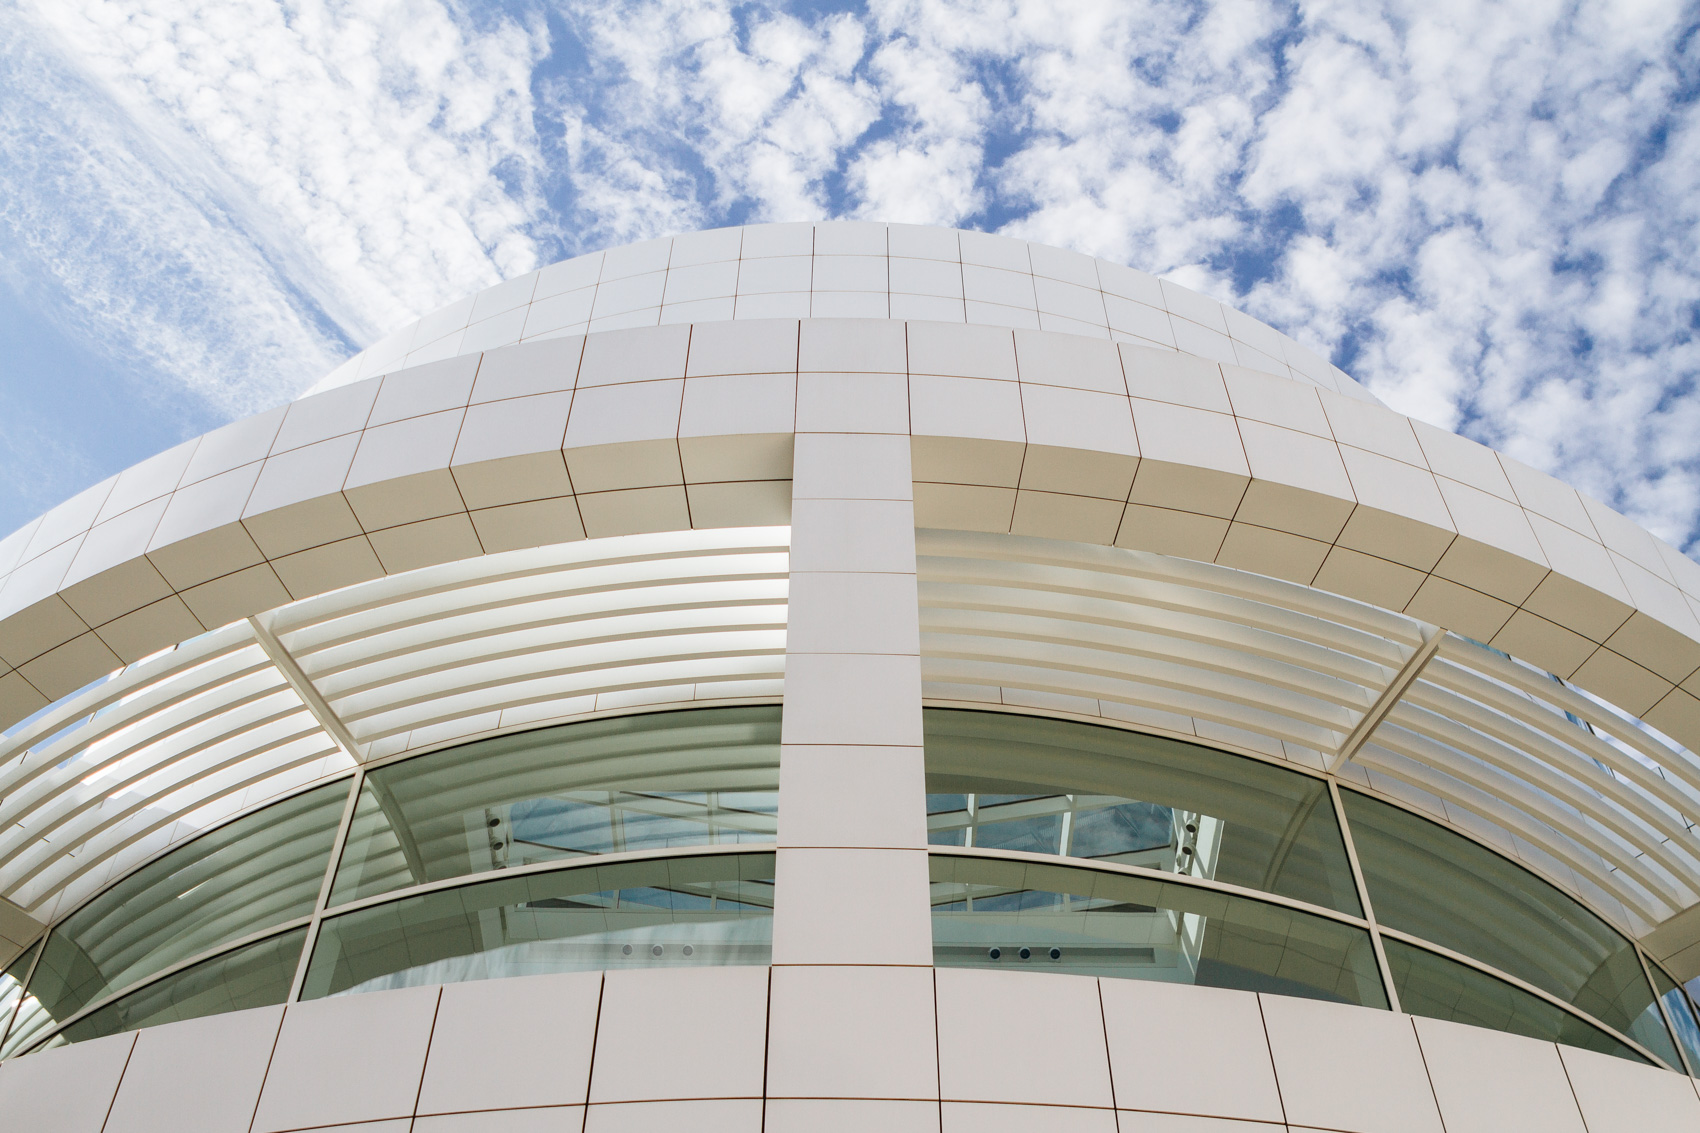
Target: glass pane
[[255, 975], [234, 881], [1059, 787], [1682, 1012], [12, 990], [702, 911], [1438, 988], [987, 913], [699, 777], [1441, 886]]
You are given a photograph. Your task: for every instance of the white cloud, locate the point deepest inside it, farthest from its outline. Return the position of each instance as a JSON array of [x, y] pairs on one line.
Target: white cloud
[[387, 142], [136, 259], [1490, 206], [764, 109]]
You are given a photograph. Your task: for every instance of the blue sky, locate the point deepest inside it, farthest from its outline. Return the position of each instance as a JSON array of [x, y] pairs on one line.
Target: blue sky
[[1487, 213]]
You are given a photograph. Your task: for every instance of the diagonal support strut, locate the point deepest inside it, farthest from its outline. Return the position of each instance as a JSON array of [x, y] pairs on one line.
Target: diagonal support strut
[[305, 689], [1390, 696]]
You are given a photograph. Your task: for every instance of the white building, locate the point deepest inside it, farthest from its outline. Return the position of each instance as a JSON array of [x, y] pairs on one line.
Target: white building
[[845, 677]]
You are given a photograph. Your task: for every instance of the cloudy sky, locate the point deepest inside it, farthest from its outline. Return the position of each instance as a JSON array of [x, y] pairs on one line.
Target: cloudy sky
[[1486, 212]]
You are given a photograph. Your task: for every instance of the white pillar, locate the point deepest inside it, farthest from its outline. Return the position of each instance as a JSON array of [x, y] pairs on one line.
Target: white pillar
[[852, 872]]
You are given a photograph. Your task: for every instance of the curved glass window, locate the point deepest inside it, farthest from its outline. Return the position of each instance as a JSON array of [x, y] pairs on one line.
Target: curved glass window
[[254, 975], [691, 778], [999, 781], [244, 877], [1433, 883], [12, 993], [989, 913], [704, 910], [1682, 1014], [1437, 988]]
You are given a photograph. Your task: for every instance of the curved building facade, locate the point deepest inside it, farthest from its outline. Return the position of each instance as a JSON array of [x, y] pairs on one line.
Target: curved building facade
[[845, 676]]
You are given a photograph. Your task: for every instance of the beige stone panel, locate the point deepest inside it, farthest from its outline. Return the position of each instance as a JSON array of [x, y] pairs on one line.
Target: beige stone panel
[[967, 460], [741, 456], [1278, 554], [236, 595], [297, 526], [68, 667], [1299, 511], [630, 464], [200, 558], [128, 586], [1530, 637], [513, 479], [149, 629], [1368, 579], [1181, 487], [1577, 606], [1184, 534], [634, 512], [1081, 519], [1078, 472], [745, 503], [1677, 715], [1459, 608], [964, 507], [49, 622], [1491, 570], [535, 523], [405, 499], [1387, 535], [428, 543], [1651, 643], [1376, 428], [19, 698], [1621, 681], [335, 565]]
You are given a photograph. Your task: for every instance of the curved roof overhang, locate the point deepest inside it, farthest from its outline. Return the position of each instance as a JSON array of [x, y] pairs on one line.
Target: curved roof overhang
[[1073, 440]]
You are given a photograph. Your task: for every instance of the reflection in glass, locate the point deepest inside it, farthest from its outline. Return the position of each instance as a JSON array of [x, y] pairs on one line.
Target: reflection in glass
[[11, 991], [987, 912], [1441, 886], [239, 879], [1438, 988], [254, 975], [705, 910], [1000, 781], [1683, 1014], [692, 778]]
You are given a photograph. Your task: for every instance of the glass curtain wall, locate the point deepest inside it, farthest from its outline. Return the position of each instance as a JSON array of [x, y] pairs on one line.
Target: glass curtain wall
[[1066, 846], [1448, 890], [652, 782], [260, 871], [1044, 786], [699, 911], [533, 804], [998, 783]]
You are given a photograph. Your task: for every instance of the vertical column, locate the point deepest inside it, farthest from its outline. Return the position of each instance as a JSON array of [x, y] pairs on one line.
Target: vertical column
[[852, 870]]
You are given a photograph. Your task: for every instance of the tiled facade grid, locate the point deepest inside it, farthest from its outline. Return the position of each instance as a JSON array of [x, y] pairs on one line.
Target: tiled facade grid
[[677, 427], [831, 1048], [877, 380], [844, 270]]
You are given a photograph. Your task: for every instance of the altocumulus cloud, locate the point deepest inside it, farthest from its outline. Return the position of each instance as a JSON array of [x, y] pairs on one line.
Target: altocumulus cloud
[[1485, 212]]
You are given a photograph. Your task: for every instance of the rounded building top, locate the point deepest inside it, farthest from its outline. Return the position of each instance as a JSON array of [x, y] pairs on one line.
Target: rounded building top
[[845, 269], [350, 576]]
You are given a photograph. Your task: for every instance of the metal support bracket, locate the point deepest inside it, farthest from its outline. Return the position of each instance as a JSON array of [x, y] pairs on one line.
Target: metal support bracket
[[304, 688], [1390, 696]]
